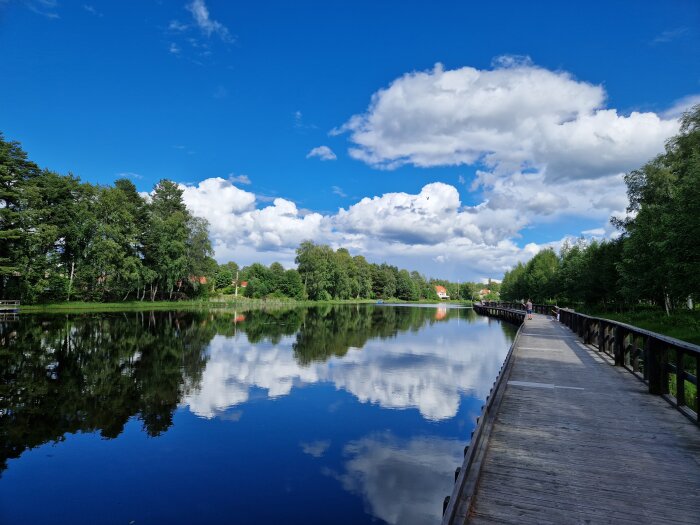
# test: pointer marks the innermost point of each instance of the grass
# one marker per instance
(681, 324)
(225, 301)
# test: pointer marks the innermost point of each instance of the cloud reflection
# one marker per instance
(426, 370)
(401, 481)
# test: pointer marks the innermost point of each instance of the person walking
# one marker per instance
(528, 307)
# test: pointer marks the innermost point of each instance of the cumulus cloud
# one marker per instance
(322, 152)
(545, 148)
(234, 219)
(410, 230)
(516, 116)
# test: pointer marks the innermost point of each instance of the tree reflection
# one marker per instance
(332, 330)
(89, 373)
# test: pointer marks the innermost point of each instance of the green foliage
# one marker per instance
(655, 262)
(64, 240)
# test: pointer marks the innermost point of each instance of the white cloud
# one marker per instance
(240, 179)
(322, 152)
(174, 48)
(208, 26)
(411, 230)
(546, 150)
(669, 36)
(128, 175)
(91, 9)
(315, 448)
(177, 26)
(236, 222)
(596, 232)
(682, 105)
(513, 117)
(338, 191)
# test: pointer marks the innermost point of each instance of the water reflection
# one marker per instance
(337, 368)
(64, 374)
(91, 374)
(425, 370)
(400, 480)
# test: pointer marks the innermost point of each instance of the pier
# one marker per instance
(581, 427)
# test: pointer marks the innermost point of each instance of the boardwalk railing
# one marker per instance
(8, 306)
(504, 311)
(669, 366)
(456, 506)
(537, 308)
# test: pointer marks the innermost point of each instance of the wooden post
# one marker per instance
(601, 336)
(655, 363)
(680, 379)
(619, 346)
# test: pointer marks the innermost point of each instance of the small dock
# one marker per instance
(571, 439)
(7, 306)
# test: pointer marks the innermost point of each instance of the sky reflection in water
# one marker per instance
(347, 414)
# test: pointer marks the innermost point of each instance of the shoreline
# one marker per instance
(211, 304)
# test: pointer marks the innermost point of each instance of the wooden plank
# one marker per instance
(604, 451)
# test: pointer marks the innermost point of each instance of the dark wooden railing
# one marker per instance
(537, 308)
(9, 305)
(501, 310)
(666, 364)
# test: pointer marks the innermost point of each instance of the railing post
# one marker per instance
(601, 336)
(618, 348)
(655, 363)
(587, 331)
(680, 379)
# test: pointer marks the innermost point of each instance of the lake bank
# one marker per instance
(214, 303)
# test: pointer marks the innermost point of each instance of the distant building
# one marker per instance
(244, 284)
(484, 291)
(441, 292)
(201, 279)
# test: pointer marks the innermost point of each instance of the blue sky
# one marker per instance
(549, 105)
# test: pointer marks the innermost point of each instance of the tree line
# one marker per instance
(655, 260)
(66, 240)
(62, 239)
(324, 274)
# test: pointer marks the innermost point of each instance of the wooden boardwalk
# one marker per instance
(577, 440)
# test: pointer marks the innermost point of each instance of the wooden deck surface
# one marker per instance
(577, 440)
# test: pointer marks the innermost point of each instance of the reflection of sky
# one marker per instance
(402, 481)
(428, 370)
(373, 436)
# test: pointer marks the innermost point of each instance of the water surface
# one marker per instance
(344, 414)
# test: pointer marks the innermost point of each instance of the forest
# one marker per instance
(655, 261)
(63, 240)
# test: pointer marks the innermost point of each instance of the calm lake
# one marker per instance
(344, 414)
